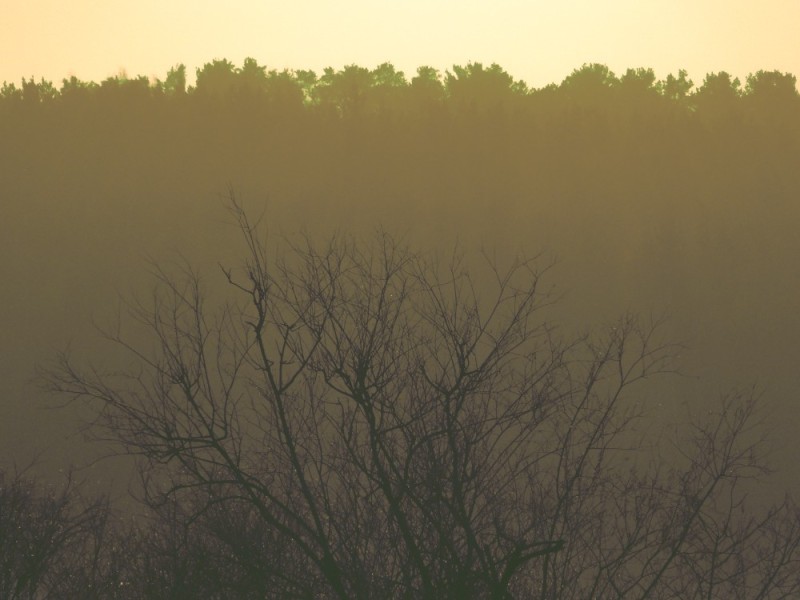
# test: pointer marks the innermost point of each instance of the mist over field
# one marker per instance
(654, 197)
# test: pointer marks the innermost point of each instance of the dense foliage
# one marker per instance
(356, 92)
(459, 146)
(651, 175)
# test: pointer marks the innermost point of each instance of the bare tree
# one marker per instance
(361, 421)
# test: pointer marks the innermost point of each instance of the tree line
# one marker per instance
(368, 137)
(355, 91)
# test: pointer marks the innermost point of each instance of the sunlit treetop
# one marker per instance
(354, 90)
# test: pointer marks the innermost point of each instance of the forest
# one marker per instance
(440, 335)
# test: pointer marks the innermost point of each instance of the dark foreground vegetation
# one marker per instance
(354, 416)
(358, 420)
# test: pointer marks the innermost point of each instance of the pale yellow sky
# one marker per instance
(540, 42)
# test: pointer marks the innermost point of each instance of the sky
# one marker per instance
(540, 42)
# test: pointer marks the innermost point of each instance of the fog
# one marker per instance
(650, 197)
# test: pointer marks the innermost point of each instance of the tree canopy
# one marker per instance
(358, 90)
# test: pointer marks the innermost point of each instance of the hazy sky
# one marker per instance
(538, 41)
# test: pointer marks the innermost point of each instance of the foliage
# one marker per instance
(472, 86)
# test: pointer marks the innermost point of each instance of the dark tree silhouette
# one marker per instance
(53, 541)
(217, 79)
(175, 83)
(368, 422)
